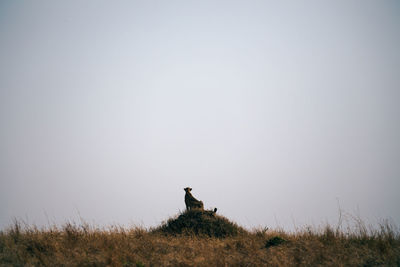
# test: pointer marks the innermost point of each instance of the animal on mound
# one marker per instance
(192, 203)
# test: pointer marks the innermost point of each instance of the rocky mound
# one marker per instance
(200, 222)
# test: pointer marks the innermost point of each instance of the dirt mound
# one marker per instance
(200, 222)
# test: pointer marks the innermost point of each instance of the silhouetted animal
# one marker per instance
(191, 202)
(211, 212)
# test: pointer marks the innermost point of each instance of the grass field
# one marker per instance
(86, 245)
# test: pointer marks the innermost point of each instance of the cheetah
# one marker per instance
(191, 202)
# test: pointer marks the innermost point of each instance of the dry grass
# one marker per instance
(85, 245)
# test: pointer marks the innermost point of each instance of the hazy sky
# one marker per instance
(272, 111)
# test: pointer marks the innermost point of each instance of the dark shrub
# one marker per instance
(274, 241)
(200, 222)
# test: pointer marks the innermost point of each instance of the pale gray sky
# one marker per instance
(271, 111)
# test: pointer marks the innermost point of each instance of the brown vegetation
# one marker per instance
(85, 245)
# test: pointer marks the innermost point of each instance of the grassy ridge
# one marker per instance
(85, 245)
